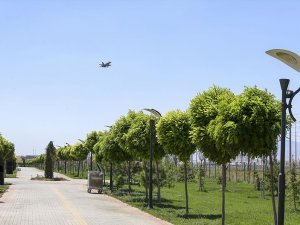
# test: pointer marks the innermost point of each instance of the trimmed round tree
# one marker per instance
(173, 133)
(108, 149)
(91, 139)
(138, 141)
(213, 134)
(79, 152)
(119, 131)
(50, 152)
(257, 114)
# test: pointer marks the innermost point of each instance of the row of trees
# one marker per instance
(7, 158)
(219, 123)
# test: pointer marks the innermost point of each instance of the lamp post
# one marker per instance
(152, 124)
(293, 61)
(110, 171)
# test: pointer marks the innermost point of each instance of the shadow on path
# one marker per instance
(201, 216)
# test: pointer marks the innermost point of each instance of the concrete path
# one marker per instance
(30, 202)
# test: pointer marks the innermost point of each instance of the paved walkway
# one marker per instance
(30, 202)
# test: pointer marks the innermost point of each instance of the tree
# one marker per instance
(257, 115)
(79, 152)
(119, 131)
(293, 188)
(50, 152)
(61, 154)
(213, 133)
(173, 133)
(109, 150)
(91, 140)
(138, 141)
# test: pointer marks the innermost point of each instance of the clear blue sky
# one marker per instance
(163, 53)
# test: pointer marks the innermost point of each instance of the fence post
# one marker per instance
(254, 173)
(229, 179)
(236, 171)
(215, 170)
(244, 171)
(208, 169)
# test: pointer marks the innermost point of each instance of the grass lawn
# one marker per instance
(243, 205)
(3, 188)
(14, 175)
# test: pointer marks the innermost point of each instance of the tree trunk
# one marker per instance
(186, 190)
(146, 180)
(65, 166)
(249, 170)
(111, 178)
(272, 189)
(223, 192)
(199, 188)
(158, 183)
(129, 176)
(91, 162)
(78, 169)
(103, 175)
(1, 169)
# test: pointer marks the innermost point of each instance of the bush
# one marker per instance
(268, 178)
(293, 188)
(190, 172)
(257, 181)
(119, 181)
(168, 174)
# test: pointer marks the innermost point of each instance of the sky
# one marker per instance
(163, 54)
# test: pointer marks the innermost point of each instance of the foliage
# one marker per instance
(50, 154)
(293, 188)
(168, 174)
(91, 139)
(204, 110)
(257, 115)
(6, 148)
(108, 149)
(173, 133)
(190, 172)
(201, 176)
(79, 152)
(267, 177)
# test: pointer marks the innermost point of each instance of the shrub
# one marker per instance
(50, 152)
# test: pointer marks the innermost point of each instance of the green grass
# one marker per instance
(243, 205)
(14, 175)
(3, 189)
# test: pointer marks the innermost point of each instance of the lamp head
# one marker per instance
(289, 58)
(154, 112)
(284, 83)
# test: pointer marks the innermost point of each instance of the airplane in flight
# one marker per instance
(105, 65)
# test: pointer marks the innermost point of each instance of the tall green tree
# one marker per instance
(119, 131)
(212, 132)
(50, 153)
(257, 115)
(108, 149)
(138, 141)
(173, 132)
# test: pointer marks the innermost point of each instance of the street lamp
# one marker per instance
(293, 61)
(110, 172)
(157, 115)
